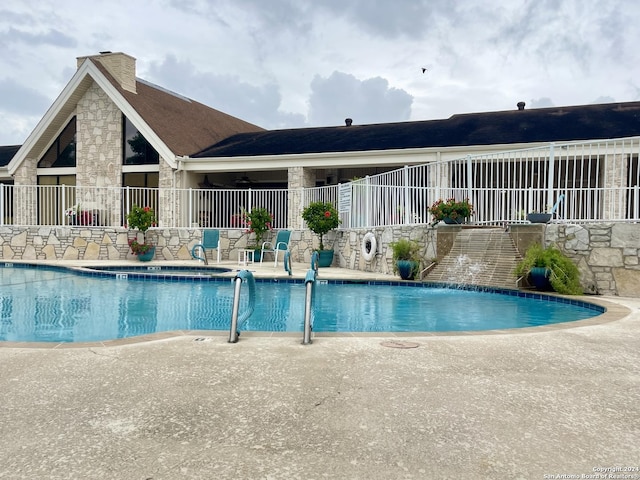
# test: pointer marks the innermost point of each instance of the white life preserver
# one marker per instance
(369, 246)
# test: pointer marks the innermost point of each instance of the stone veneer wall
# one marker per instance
(608, 255)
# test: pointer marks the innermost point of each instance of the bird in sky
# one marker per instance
(426, 68)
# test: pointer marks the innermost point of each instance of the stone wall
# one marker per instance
(608, 255)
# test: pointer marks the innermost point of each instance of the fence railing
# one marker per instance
(598, 181)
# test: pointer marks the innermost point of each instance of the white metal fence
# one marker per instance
(598, 181)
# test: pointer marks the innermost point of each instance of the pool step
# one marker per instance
(482, 256)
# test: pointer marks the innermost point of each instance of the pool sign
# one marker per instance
(344, 197)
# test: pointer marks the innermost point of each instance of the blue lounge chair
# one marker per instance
(280, 244)
(210, 241)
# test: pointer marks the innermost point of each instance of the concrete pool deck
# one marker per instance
(510, 405)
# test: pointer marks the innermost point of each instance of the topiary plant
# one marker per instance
(321, 217)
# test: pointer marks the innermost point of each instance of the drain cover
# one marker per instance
(399, 344)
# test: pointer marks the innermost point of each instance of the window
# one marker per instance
(135, 148)
(62, 153)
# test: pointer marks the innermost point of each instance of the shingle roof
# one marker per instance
(557, 124)
(6, 154)
(184, 125)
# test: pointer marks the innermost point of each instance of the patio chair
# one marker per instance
(210, 241)
(280, 244)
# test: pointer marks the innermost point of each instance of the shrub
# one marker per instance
(564, 275)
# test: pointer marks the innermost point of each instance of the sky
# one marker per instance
(308, 63)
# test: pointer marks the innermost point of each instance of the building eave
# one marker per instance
(399, 157)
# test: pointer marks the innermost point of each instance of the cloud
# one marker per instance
(17, 98)
(542, 102)
(50, 37)
(258, 104)
(365, 101)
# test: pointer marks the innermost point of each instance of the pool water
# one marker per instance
(55, 305)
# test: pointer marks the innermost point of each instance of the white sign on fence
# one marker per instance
(344, 197)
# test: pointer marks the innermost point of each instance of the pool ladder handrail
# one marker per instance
(197, 257)
(238, 320)
(310, 284)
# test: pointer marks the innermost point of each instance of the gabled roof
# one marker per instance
(172, 124)
(557, 124)
(6, 154)
(184, 125)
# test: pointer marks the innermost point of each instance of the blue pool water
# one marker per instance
(57, 305)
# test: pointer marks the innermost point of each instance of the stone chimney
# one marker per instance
(120, 65)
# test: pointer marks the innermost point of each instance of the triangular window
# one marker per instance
(62, 152)
(136, 149)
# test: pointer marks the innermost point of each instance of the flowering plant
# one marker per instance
(138, 248)
(321, 217)
(258, 221)
(141, 218)
(453, 209)
(78, 216)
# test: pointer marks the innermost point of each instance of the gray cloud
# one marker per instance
(17, 98)
(50, 37)
(365, 101)
(227, 93)
(542, 102)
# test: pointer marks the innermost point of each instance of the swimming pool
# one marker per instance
(60, 305)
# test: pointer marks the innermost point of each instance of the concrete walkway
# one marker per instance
(518, 405)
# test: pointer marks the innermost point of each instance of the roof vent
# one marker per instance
(348, 122)
(521, 105)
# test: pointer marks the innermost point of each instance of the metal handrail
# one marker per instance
(310, 284)
(236, 320)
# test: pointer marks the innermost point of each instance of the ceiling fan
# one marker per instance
(244, 181)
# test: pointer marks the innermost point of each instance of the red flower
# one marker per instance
(327, 214)
(146, 209)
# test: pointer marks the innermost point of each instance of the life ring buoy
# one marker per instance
(369, 246)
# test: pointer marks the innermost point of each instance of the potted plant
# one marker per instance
(141, 219)
(258, 221)
(550, 269)
(539, 217)
(321, 218)
(406, 258)
(450, 211)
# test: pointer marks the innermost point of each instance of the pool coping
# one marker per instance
(613, 312)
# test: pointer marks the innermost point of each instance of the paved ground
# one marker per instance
(513, 405)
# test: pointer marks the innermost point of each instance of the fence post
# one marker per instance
(550, 180)
(367, 204)
(1, 204)
(407, 200)
(469, 179)
(127, 202)
(190, 216)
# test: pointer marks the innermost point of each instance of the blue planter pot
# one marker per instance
(147, 256)
(406, 269)
(539, 217)
(325, 258)
(539, 276)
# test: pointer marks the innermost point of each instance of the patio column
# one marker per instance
(299, 178)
